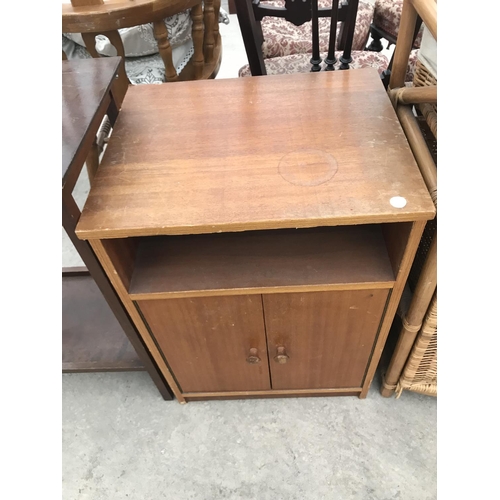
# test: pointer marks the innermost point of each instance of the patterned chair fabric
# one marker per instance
(299, 63)
(412, 64)
(282, 38)
(387, 16)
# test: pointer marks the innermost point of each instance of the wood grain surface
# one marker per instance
(327, 336)
(283, 151)
(206, 341)
(115, 14)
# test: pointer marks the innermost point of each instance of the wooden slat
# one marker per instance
(299, 151)
(261, 261)
(273, 393)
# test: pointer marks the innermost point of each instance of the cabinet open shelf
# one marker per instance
(316, 259)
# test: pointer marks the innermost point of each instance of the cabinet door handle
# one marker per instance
(252, 357)
(281, 355)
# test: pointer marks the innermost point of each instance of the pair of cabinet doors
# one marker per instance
(310, 340)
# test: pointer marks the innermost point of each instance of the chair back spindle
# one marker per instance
(198, 57)
(346, 58)
(315, 59)
(331, 59)
(165, 50)
(251, 12)
(208, 15)
(91, 18)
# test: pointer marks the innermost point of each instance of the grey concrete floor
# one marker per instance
(122, 441)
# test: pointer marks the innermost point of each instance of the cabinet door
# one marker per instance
(211, 344)
(321, 340)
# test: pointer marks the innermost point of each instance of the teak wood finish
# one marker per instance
(106, 17)
(273, 127)
(302, 151)
(95, 327)
(327, 337)
(261, 262)
(223, 339)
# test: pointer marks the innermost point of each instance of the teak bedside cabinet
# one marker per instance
(260, 243)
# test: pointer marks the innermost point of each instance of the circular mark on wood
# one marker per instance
(307, 167)
(398, 202)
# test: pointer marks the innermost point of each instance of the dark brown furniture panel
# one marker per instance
(211, 343)
(322, 340)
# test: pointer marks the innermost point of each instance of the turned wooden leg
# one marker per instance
(209, 20)
(376, 44)
(198, 28)
(165, 50)
(216, 17)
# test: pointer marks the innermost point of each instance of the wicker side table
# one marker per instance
(420, 371)
(413, 365)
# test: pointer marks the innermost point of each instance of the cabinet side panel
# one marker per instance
(396, 237)
(110, 267)
(122, 253)
(406, 260)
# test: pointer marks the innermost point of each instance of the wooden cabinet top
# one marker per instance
(266, 152)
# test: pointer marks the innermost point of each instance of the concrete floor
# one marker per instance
(122, 441)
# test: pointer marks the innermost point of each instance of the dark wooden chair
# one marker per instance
(385, 25)
(298, 12)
